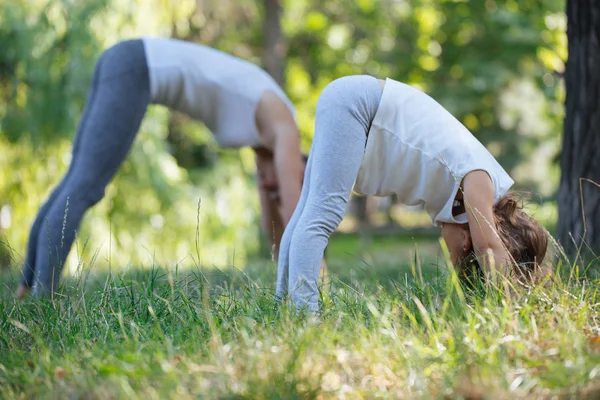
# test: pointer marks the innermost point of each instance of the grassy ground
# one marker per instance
(389, 329)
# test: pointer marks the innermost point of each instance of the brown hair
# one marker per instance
(525, 239)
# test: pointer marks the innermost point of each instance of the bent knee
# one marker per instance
(322, 221)
(85, 192)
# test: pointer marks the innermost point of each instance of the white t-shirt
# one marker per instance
(216, 88)
(419, 151)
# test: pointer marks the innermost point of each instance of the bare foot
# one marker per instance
(22, 292)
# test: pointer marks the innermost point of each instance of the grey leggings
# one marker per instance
(115, 107)
(345, 110)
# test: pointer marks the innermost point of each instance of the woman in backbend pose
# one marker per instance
(386, 137)
(235, 99)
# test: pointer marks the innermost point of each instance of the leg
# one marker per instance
(344, 114)
(27, 276)
(113, 119)
(283, 263)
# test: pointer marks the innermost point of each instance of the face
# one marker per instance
(458, 240)
(267, 173)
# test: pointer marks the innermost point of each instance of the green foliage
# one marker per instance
(45, 68)
(495, 64)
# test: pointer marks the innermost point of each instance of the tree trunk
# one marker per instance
(578, 198)
(274, 46)
(273, 61)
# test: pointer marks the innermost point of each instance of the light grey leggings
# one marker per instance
(345, 110)
(115, 106)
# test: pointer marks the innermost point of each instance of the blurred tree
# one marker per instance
(274, 52)
(273, 60)
(579, 194)
(473, 57)
(48, 55)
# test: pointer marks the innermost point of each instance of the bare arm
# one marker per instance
(271, 218)
(479, 203)
(280, 167)
(288, 164)
(280, 134)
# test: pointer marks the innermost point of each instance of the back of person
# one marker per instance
(419, 151)
(211, 86)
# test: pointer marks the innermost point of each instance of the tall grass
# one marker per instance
(395, 332)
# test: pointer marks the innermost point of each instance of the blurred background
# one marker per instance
(496, 65)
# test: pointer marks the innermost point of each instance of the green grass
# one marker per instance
(388, 330)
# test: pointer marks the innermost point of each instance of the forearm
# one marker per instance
(289, 174)
(271, 220)
(495, 259)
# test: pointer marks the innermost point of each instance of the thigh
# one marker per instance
(114, 121)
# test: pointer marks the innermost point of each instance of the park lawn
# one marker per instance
(391, 328)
